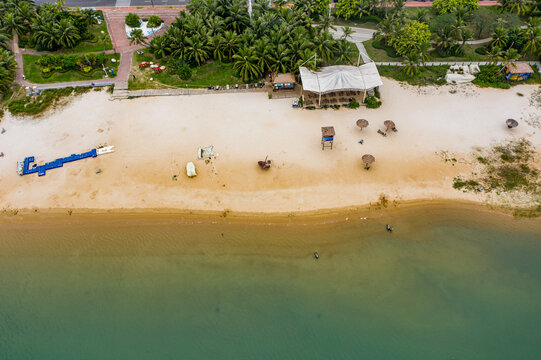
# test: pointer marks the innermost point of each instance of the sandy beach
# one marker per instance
(155, 138)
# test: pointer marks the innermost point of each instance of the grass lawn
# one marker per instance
(103, 41)
(33, 72)
(211, 73)
(428, 75)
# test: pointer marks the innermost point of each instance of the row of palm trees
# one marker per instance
(8, 65)
(49, 26)
(274, 39)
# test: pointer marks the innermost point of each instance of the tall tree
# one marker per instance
(245, 63)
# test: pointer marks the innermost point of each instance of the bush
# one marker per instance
(353, 104)
(372, 102)
(180, 67)
(491, 76)
(410, 37)
(154, 21)
(447, 6)
(133, 20)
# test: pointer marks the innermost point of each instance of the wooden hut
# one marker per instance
(518, 71)
(283, 81)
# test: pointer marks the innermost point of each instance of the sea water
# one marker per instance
(445, 284)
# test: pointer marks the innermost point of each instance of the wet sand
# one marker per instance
(156, 137)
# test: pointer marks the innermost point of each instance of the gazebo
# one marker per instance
(518, 71)
(283, 81)
(343, 80)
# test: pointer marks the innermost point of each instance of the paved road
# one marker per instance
(118, 3)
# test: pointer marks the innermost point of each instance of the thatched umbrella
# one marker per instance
(368, 159)
(362, 123)
(511, 123)
(389, 125)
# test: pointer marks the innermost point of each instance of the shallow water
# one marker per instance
(447, 283)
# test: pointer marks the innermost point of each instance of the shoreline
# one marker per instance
(321, 216)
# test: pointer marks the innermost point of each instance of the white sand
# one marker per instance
(153, 135)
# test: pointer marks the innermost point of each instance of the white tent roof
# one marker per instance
(340, 77)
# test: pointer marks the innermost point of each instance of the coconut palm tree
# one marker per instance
(11, 23)
(445, 39)
(510, 56)
(159, 46)
(346, 32)
(8, 67)
(424, 51)
(421, 15)
(137, 37)
(411, 63)
(324, 44)
(344, 52)
(217, 47)
(196, 49)
(45, 35)
(280, 58)
(499, 38)
(67, 34)
(231, 44)
(245, 63)
(494, 54)
(262, 52)
(521, 7)
(532, 37)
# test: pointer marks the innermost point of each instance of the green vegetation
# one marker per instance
(99, 40)
(276, 39)
(507, 167)
(411, 37)
(133, 20)
(425, 75)
(209, 74)
(154, 21)
(372, 102)
(8, 68)
(62, 68)
(38, 104)
(447, 6)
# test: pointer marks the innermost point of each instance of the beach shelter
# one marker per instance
(368, 160)
(340, 78)
(518, 71)
(362, 123)
(283, 81)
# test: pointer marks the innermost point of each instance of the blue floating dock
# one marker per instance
(41, 169)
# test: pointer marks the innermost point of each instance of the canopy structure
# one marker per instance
(340, 77)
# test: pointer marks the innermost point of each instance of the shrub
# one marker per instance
(410, 37)
(491, 76)
(353, 104)
(154, 21)
(372, 102)
(133, 20)
(447, 6)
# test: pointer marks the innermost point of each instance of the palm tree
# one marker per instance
(12, 23)
(532, 37)
(411, 64)
(421, 15)
(280, 59)
(445, 39)
(217, 47)
(137, 37)
(307, 59)
(510, 56)
(521, 7)
(344, 52)
(45, 35)
(196, 49)
(324, 45)
(424, 51)
(231, 44)
(159, 46)
(346, 32)
(67, 34)
(494, 54)
(326, 22)
(499, 38)
(8, 67)
(246, 64)
(262, 51)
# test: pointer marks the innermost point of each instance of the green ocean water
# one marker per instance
(446, 284)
